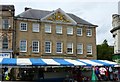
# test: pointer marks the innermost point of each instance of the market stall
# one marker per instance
(53, 68)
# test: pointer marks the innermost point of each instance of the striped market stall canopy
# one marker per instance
(54, 62)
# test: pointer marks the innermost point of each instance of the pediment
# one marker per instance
(59, 16)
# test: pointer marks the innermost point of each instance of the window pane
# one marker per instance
(69, 48)
(89, 32)
(79, 49)
(5, 43)
(5, 24)
(35, 46)
(89, 49)
(35, 27)
(47, 47)
(23, 26)
(59, 47)
(47, 28)
(23, 45)
(59, 29)
(69, 30)
(79, 31)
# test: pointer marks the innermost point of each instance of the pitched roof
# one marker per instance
(38, 14)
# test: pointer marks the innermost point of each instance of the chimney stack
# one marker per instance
(26, 8)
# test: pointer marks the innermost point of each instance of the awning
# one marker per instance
(54, 62)
(97, 62)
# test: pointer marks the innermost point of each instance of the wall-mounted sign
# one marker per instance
(4, 55)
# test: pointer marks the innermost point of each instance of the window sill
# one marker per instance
(23, 30)
(69, 34)
(89, 36)
(79, 35)
(35, 52)
(23, 51)
(59, 33)
(35, 32)
(89, 55)
(80, 54)
(48, 32)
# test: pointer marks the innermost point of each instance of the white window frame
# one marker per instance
(59, 47)
(25, 50)
(58, 29)
(70, 45)
(89, 48)
(35, 27)
(25, 27)
(47, 28)
(47, 47)
(70, 30)
(89, 32)
(35, 46)
(79, 31)
(79, 48)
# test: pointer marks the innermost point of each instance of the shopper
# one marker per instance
(102, 73)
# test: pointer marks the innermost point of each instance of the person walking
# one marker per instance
(102, 73)
(110, 73)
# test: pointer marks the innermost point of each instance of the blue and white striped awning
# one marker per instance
(54, 62)
(97, 62)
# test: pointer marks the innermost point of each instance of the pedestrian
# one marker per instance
(102, 73)
(107, 74)
(97, 72)
(7, 78)
(110, 73)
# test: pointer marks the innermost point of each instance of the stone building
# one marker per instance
(52, 34)
(116, 35)
(6, 30)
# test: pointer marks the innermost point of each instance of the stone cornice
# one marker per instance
(114, 29)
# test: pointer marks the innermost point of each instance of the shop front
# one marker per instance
(4, 54)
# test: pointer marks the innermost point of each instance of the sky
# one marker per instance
(97, 12)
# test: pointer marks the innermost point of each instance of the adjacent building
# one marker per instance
(116, 35)
(6, 30)
(51, 34)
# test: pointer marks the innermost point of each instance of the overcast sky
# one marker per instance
(98, 12)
